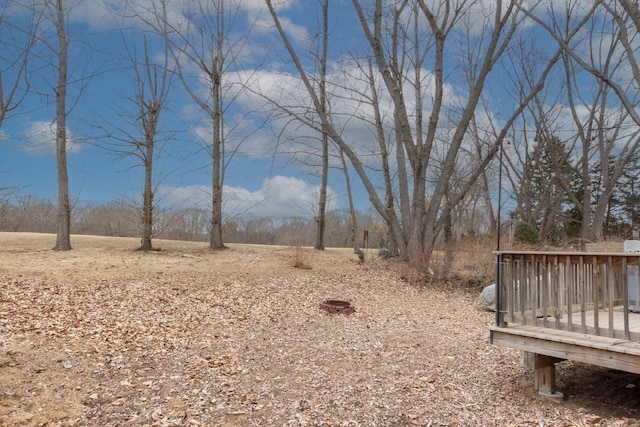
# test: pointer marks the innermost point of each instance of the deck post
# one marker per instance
(544, 375)
(499, 297)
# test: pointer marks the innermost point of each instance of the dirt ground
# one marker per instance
(106, 336)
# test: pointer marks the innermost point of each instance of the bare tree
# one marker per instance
(322, 58)
(151, 86)
(49, 49)
(151, 103)
(206, 50)
(54, 37)
(401, 45)
(58, 15)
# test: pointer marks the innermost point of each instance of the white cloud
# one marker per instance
(101, 14)
(97, 14)
(259, 15)
(258, 5)
(296, 33)
(40, 139)
(278, 197)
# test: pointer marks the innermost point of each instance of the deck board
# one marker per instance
(604, 351)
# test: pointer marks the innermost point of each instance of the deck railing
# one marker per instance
(589, 293)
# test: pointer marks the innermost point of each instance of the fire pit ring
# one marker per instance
(337, 307)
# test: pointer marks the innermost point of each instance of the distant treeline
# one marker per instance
(122, 219)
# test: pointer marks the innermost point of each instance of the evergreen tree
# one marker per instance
(546, 166)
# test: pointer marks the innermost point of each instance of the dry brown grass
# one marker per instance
(472, 258)
(301, 257)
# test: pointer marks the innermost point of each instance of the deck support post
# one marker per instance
(544, 374)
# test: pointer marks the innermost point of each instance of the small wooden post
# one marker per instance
(544, 374)
(545, 378)
(365, 242)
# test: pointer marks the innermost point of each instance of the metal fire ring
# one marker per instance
(337, 307)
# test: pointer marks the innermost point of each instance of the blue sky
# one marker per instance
(258, 181)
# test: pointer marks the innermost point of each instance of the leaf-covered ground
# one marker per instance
(106, 336)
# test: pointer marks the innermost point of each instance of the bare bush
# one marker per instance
(301, 257)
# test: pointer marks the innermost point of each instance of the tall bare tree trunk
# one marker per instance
(63, 237)
(403, 183)
(322, 202)
(147, 194)
(389, 198)
(352, 208)
(215, 233)
(321, 220)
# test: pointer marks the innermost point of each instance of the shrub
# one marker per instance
(526, 234)
(301, 257)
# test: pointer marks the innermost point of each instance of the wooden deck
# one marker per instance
(577, 306)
